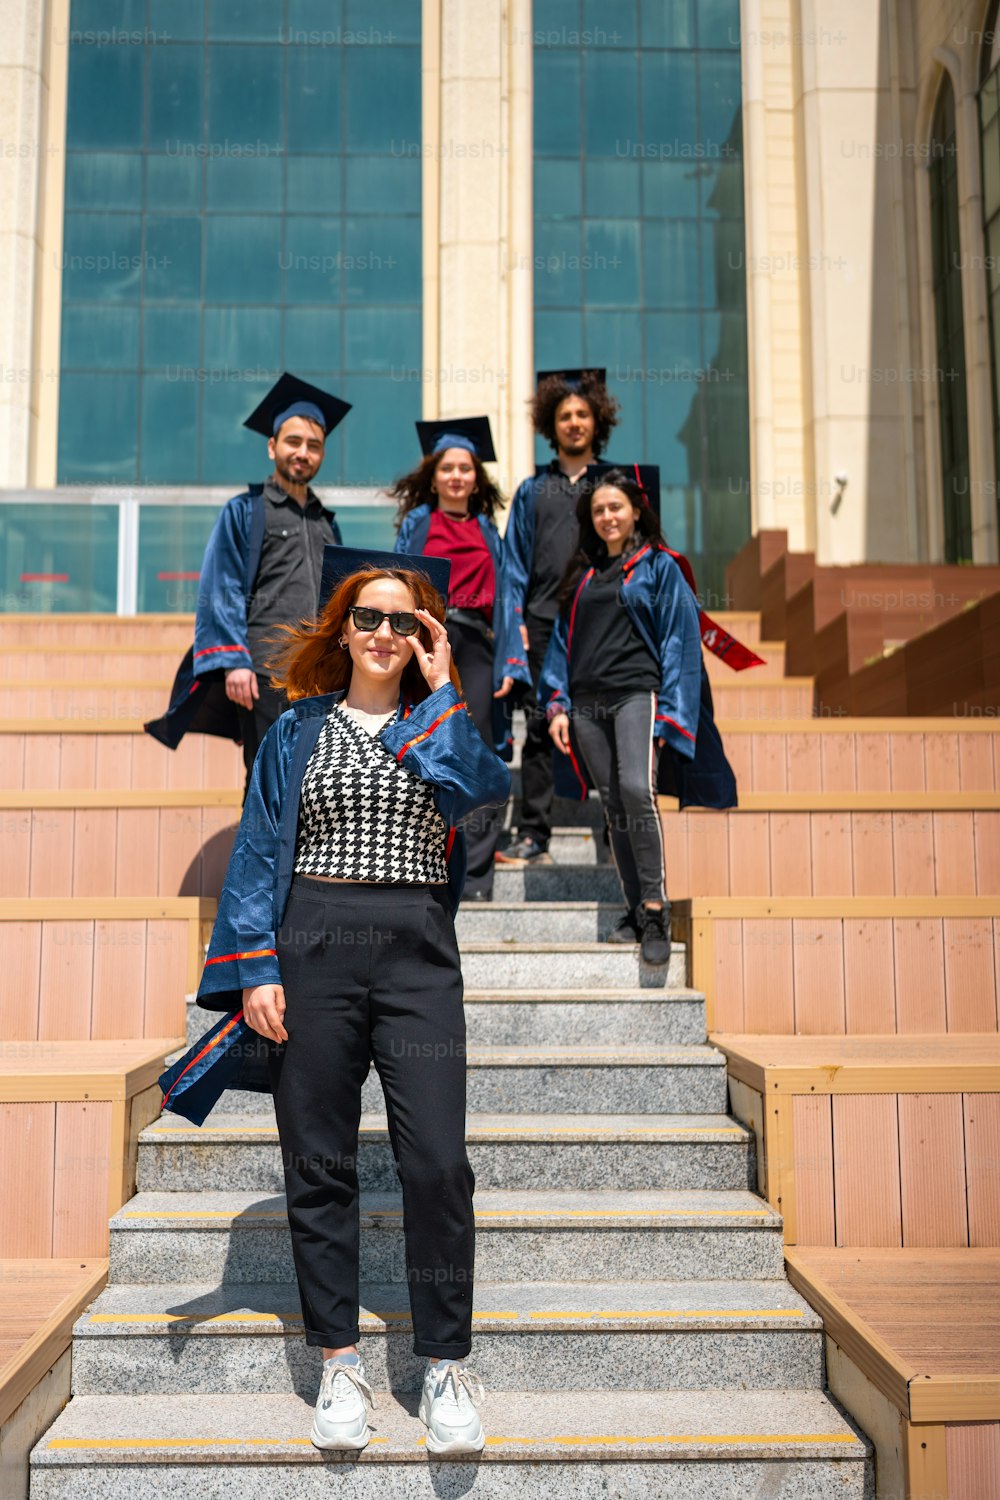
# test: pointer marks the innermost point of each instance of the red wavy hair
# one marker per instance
(311, 661)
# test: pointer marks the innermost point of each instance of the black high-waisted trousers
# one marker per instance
(373, 972)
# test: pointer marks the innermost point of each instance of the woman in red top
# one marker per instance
(447, 507)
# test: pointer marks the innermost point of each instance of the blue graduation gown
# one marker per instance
(663, 611)
(198, 701)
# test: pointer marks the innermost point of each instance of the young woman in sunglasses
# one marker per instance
(447, 509)
(336, 931)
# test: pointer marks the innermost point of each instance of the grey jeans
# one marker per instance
(616, 741)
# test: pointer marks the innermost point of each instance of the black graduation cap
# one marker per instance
(292, 397)
(646, 476)
(471, 433)
(574, 378)
(339, 562)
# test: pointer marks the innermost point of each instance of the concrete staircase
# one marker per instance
(633, 1325)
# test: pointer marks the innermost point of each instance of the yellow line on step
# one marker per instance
(186, 1442)
(493, 1213)
(675, 1312)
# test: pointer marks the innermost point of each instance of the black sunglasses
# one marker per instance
(401, 620)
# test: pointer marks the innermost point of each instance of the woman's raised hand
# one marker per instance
(435, 663)
(264, 1010)
(559, 730)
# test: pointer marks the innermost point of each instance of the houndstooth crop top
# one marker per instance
(362, 816)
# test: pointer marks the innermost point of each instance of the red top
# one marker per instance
(472, 584)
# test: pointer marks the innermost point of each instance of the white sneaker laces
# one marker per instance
(457, 1378)
(329, 1393)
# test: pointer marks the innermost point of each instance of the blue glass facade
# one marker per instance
(639, 244)
(242, 196)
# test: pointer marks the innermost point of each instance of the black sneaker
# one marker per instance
(654, 927)
(626, 929)
(525, 852)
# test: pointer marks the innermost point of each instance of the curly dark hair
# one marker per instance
(591, 549)
(415, 489)
(554, 390)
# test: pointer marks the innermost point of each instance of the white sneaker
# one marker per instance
(447, 1409)
(341, 1419)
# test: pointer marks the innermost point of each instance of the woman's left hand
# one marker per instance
(660, 742)
(435, 664)
(504, 688)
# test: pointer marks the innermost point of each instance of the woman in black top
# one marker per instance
(626, 659)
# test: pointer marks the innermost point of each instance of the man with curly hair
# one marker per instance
(573, 411)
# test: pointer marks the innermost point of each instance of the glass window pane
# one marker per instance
(676, 345)
(613, 340)
(172, 542)
(230, 454)
(558, 265)
(667, 23)
(244, 99)
(720, 95)
(173, 259)
(242, 259)
(669, 122)
(171, 336)
(312, 259)
(98, 337)
(315, 99)
(557, 82)
(721, 187)
(244, 20)
(316, 23)
(558, 339)
(98, 431)
(612, 189)
(242, 338)
(103, 180)
(177, 20)
(169, 429)
(557, 187)
(607, 25)
(724, 274)
(381, 338)
(102, 259)
(378, 442)
(81, 552)
(383, 21)
(375, 183)
(173, 182)
(611, 116)
(385, 74)
(312, 339)
(175, 95)
(382, 262)
(718, 23)
(367, 526)
(668, 406)
(234, 182)
(611, 263)
(104, 107)
(670, 263)
(90, 21)
(557, 23)
(313, 182)
(670, 189)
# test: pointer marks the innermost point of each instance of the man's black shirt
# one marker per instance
(291, 566)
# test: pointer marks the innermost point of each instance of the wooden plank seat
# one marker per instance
(795, 966)
(131, 661)
(40, 1300)
(874, 1140)
(112, 753)
(103, 630)
(913, 1354)
(99, 967)
(69, 701)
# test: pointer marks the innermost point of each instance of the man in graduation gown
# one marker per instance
(574, 412)
(262, 569)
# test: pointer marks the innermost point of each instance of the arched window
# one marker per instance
(989, 135)
(950, 372)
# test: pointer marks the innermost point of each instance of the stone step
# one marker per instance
(535, 1017)
(579, 845)
(572, 1080)
(537, 1235)
(568, 965)
(658, 1335)
(602, 1152)
(556, 882)
(550, 1445)
(580, 921)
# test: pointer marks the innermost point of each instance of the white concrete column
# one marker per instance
(31, 170)
(477, 218)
